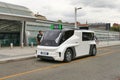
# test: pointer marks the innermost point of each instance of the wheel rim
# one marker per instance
(68, 55)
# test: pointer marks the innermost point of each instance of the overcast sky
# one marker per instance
(92, 10)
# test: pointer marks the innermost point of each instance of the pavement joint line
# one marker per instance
(51, 67)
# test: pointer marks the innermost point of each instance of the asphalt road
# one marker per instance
(104, 66)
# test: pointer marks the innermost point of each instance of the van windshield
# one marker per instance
(51, 38)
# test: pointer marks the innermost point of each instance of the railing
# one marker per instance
(107, 35)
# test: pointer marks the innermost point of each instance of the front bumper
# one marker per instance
(45, 57)
(57, 56)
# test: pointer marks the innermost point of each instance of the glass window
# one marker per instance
(55, 37)
(66, 35)
(87, 36)
(1, 36)
(51, 38)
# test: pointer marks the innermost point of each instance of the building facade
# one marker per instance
(18, 25)
(12, 23)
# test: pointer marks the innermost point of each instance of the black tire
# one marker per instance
(68, 55)
(93, 50)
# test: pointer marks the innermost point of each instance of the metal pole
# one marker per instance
(119, 32)
(31, 44)
(108, 37)
(22, 45)
(108, 27)
(75, 17)
(11, 45)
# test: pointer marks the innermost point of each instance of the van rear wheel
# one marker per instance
(93, 50)
(68, 55)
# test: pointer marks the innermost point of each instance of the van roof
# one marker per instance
(82, 30)
(67, 29)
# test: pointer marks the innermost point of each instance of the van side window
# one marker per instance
(66, 35)
(87, 36)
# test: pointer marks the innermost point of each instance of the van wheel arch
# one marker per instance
(71, 49)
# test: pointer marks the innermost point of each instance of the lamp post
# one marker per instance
(76, 16)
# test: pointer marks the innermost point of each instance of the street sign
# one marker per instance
(56, 26)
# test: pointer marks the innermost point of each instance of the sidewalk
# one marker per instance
(16, 53)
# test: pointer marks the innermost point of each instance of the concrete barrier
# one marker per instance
(22, 45)
(11, 45)
(108, 43)
(31, 44)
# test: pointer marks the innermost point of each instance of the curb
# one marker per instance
(21, 58)
(13, 59)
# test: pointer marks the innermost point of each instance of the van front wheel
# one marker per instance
(68, 55)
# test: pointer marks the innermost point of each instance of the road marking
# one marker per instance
(35, 70)
(51, 67)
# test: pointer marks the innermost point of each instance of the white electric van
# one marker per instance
(66, 44)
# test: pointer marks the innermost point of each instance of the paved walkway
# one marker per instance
(7, 53)
(18, 53)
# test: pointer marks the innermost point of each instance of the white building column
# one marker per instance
(22, 32)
